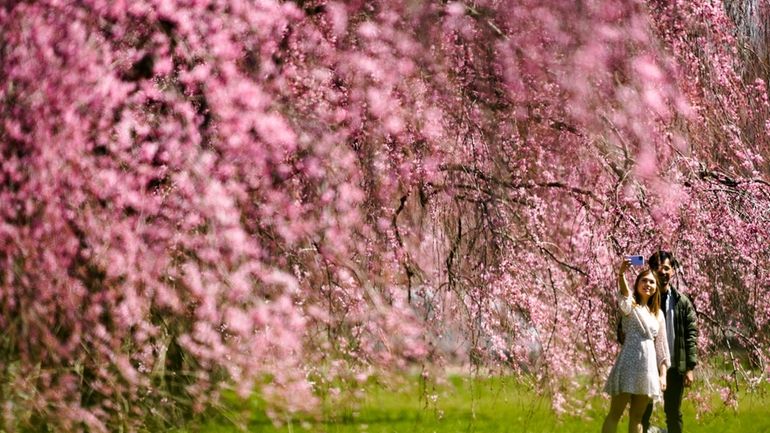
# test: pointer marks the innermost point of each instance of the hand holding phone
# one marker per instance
(636, 260)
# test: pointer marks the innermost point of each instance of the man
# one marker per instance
(682, 333)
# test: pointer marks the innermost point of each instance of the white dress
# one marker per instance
(645, 348)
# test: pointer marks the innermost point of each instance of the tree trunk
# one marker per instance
(752, 19)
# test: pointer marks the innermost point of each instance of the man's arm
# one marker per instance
(691, 342)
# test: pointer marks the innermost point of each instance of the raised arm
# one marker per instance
(625, 302)
(622, 284)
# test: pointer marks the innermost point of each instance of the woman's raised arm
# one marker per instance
(622, 283)
(625, 301)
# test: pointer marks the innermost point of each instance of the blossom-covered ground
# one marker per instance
(492, 404)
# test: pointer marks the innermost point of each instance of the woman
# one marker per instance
(639, 373)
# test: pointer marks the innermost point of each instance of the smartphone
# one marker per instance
(636, 260)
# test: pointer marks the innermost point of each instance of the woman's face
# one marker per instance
(646, 286)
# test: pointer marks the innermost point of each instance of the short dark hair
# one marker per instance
(658, 257)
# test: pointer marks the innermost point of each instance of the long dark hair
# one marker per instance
(654, 302)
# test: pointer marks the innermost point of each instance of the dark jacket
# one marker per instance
(685, 333)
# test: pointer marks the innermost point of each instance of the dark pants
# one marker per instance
(672, 403)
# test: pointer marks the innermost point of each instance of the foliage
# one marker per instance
(199, 195)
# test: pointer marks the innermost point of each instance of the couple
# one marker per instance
(659, 352)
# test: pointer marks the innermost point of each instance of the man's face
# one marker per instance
(665, 273)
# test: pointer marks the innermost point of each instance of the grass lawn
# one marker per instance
(475, 405)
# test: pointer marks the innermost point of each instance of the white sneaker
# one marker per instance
(654, 429)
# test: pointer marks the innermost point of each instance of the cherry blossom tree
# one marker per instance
(268, 196)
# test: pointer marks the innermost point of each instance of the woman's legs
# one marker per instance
(617, 407)
(638, 406)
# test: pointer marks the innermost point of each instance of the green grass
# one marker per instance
(471, 405)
